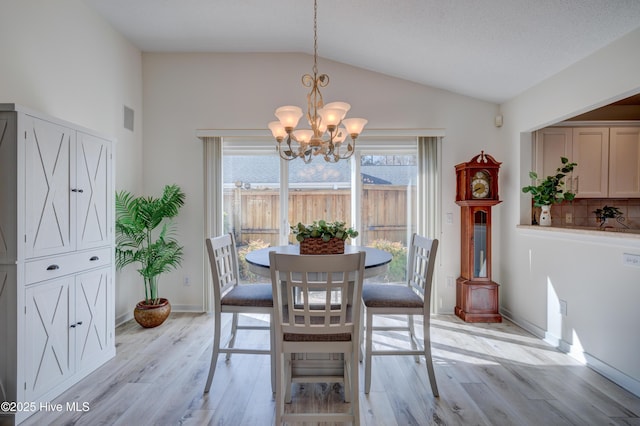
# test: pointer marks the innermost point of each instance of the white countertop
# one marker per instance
(618, 233)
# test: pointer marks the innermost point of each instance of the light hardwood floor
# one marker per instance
(488, 374)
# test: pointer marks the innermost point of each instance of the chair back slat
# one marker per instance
(224, 264)
(317, 294)
(422, 253)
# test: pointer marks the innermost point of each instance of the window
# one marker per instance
(378, 192)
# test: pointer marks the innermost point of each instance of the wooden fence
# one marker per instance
(254, 214)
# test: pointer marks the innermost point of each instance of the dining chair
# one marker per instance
(229, 296)
(411, 299)
(317, 301)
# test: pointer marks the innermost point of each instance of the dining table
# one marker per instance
(376, 261)
(307, 364)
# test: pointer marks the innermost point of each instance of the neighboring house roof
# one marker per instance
(264, 170)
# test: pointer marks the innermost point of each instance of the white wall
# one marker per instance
(538, 267)
(60, 58)
(186, 92)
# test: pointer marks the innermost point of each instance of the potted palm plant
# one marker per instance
(145, 234)
(551, 190)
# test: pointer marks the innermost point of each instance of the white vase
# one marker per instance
(545, 216)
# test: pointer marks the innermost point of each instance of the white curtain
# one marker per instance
(213, 212)
(428, 187)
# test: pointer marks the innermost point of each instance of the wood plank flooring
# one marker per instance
(488, 374)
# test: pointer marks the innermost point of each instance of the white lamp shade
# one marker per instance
(354, 126)
(331, 116)
(277, 130)
(342, 106)
(289, 115)
(303, 136)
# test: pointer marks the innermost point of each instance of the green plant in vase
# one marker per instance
(550, 190)
(607, 212)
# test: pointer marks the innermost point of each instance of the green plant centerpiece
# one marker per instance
(145, 234)
(550, 190)
(322, 237)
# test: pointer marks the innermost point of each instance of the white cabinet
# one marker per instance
(56, 254)
(608, 159)
(591, 152)
(552, 143)
(67, 189)
(67, 324)
(624, 162)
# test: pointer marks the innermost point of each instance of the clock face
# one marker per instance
(480, 185)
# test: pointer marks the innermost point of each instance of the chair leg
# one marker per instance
(347, 375)
(234, 331)
(428, 358)
(273, 356)
(368, 345)
(355, 393)
(216, 350)
(412, 336)
(279, 386)
(287, 377)
(360, 350)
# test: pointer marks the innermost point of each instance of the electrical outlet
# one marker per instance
(449, 218)
(563, 307)
(631, 259)
(568, 218)
(450, 282)
(187, 281)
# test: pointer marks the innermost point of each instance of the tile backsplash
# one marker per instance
(581, 211)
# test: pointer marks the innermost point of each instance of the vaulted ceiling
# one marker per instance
(488, 49)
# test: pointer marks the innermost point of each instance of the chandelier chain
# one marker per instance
(315, 37)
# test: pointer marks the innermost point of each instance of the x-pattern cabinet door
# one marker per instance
(92, 191)
(92, 320)
(49, 343)
(50, 167)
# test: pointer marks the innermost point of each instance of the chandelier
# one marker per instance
(329, 127)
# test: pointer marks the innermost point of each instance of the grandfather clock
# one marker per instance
(477, 192)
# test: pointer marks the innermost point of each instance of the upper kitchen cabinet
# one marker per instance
(591, 153)
(608, 159)
(624, 159)
(551, 144)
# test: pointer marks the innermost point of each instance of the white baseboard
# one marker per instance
(611, 373)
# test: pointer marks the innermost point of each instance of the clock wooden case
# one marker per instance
(476, 194)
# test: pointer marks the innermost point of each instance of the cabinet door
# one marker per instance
(624, 162)
(48, 359)
(551, 144)
(591, 153)
(93, 191)
(49, 150)
(92, 326)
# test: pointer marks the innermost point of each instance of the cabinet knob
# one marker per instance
(94, 258)
(79, 323)
(52, 267)
(72, 326)
(77, 190)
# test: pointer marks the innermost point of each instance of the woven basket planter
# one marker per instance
(318, 246)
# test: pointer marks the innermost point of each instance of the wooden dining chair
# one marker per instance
(411, 299)
(317, 301)
(229, 296)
